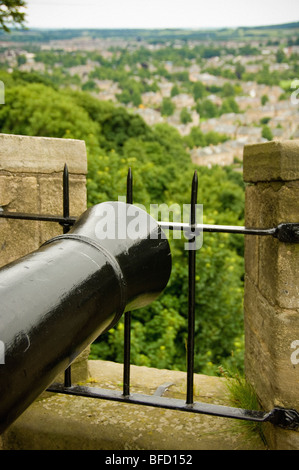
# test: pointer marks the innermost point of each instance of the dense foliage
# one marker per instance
(11, 14)
(162, 172)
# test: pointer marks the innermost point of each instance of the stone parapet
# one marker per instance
(39, 155)
(60, 422)
(271, 301)
(31, 171)
(271, 161)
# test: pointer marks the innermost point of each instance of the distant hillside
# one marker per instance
(155, 35)
(277, 26)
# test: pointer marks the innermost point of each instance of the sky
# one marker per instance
(159, 13)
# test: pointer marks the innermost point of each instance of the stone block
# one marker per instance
(278, 272)
(269, 334)
(20, 154)
(18, 237)
(271, 161)
(287, 202)
(281, 439)
(269, 204)
(271, 305)
(251, 254)
(262, 202)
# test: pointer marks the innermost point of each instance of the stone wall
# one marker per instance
(271, 301)
(60, 422)
(31, 171)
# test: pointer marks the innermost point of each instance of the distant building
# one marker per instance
(249, 134)
(149, 115)
(152, 98)
(183, 100)
(222, 154)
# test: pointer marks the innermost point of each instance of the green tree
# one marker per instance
(175, 91)
(239, 70)
(265, 120)
(280, 56)
(11, 13)
(267, 133)
(21, 59)
(185, 116)
(136, 98)
(229, 105)
(199, 90)
(207, 109)
(197, 138)
(264, 99)
(228, 90)
(90, 85)
(167, 107)
(35, 109)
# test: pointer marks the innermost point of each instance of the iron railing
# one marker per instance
(285, 232)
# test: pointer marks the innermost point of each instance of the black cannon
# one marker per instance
(56, 301)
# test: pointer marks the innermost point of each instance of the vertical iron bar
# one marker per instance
(191, 294)
(127, 320)
(66, 228)
(66, 196)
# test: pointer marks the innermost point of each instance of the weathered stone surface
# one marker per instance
(261, 205)
(22, 154)
(79, 369)
(76, 423)
(282, 439)
(18, 194)
(31, 170)
(278, 273)
(271, 301)
(269, 204)
(251, 254)
(271, 161)
(269, 333)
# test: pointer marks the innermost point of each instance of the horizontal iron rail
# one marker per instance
(288, 419)
(38, 217)
(197, 228)
(286, 232)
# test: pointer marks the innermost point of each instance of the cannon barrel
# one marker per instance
(57, 300)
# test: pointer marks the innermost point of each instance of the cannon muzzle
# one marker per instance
(56, 301)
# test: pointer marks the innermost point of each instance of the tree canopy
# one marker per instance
(117, 139)
(11, 13)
